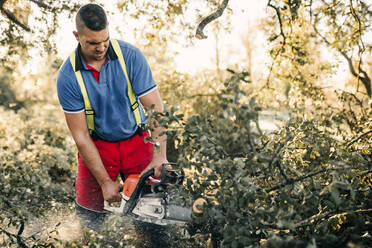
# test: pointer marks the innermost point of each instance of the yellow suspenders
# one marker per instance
(89, 112)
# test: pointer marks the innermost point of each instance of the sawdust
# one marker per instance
(60, 225)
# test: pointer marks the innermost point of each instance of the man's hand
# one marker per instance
(110, 191)
(156, 164)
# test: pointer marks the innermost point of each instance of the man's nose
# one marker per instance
(100, 47)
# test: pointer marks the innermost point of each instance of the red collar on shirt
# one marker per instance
(94, 71)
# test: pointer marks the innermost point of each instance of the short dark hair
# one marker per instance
(91, 16)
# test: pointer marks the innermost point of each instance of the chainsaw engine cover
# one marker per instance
(131, 182)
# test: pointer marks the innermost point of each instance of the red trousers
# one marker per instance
(127, 157)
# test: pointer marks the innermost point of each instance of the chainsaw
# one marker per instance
(146, 199)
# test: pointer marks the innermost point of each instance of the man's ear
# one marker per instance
(76, 34)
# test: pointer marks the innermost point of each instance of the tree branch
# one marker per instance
(359, 102)
(292, 181)
(364, 78)
(201, 95)
(329, 215)
(287, 179)
(356, 17)
(12, 18)
(358, 138)
(277, 11)
(41, 4)
(199, 31)
(277, 151)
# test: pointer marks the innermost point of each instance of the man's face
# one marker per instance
(94, 44)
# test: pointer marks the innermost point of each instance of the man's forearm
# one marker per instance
(157, 134)
(92, 159)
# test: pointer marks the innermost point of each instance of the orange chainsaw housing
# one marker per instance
(131, 182)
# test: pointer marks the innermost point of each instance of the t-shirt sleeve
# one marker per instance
(140, 74)
(69, 94)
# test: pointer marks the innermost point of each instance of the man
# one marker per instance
(116, 143)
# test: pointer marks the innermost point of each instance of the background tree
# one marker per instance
(29, 24)
(346, 26)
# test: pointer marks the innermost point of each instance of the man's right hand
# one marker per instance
(110, 191)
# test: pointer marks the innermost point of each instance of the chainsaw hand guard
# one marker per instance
(131, 203)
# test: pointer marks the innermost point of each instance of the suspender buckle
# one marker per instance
(134, 106)
(89, 112)
(141, 128)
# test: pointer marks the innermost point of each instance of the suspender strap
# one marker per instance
(89, 112)
(132, 97)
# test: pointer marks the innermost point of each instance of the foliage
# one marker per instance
(195, 98)
(36, 169)
(302, 182)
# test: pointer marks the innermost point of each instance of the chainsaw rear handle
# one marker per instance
(118, 210)
(131, 203)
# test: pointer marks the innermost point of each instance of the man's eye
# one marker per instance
(97, 43)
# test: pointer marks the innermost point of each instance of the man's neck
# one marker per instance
(96, 64)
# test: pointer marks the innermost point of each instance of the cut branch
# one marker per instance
(199, 31)
(329, 215)
(18, 237)
(358, 138)
(278, 150)
(292, 181)
(224, 153)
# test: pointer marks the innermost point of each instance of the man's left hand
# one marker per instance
(155, 164)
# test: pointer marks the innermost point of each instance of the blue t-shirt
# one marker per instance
(114, 119)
